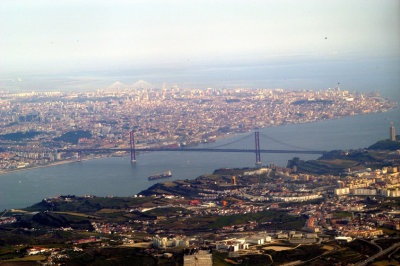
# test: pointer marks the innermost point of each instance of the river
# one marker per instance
(117, 176)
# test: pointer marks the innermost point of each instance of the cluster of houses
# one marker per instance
(164, 242)
(384, 182)
(239, 243)
(7, 220)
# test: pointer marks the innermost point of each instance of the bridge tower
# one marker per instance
(79, 156)
(257, 143)
(132, 143)
(392, 132)
(234, 180)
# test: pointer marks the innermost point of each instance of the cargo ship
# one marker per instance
(159, 176)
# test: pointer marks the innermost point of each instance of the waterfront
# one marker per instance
(117, 176)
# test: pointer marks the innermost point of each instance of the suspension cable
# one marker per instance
(283, 143)
(232, 142)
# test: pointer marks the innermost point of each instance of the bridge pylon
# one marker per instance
(257, 145)
(132, 143)
(79, 156)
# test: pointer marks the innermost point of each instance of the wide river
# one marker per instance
(117, 176)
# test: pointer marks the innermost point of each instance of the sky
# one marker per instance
(72, 44)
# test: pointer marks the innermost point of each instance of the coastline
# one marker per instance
(218, 138)
(235, 134)
(3, 172)
(100, 177)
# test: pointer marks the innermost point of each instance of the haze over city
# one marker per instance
(198, 44)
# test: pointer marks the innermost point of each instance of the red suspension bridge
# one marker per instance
(257, 150)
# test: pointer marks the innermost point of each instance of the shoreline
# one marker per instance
(10, 192)
(229, 135)
(218, 138)
(4, 172)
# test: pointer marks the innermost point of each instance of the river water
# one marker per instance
(117, 176)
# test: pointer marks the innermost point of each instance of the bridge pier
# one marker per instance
(133, 149)
(257, 150)
(79, 156)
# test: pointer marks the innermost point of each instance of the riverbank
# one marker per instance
(3, 172)
(117, 176)
(218, 138)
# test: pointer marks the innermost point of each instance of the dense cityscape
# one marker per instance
(37, 126)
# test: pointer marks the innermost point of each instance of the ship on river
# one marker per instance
(160, 176)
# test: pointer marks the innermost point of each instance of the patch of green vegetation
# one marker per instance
(332, 163)
(350, 253)
(230, 171)
(341, 214)
(385, 243)
(177, 189)
(60, 220)
(320, 166)
(76, 214)
(167, 211)
(105, 210)
(29, 258)
(338, 163)
(219, 258)
(119, 256)
(363, 247)
(385, 145)
(116, 217)
(393, 203)
(74, 136)
(11, 252)
(390, 232)
(279, 220)
(347, 256)
(88, 205)
(335, 162)
(169, 184)
(302, 253)
(18, 136)
(12, 237)
(391, 262)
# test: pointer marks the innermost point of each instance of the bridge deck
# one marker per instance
(194, 150)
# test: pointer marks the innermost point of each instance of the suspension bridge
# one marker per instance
(293, 149)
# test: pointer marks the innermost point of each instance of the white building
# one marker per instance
(364, 192)
(255, 240)
(232, 245)
(390, 192)
(297, 198)
(342, 191)
(163, 242)
(257, 172)
(344, 238)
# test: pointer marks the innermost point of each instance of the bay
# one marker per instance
(118, 177)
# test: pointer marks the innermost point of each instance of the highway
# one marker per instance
(377, 255)
(191, 150)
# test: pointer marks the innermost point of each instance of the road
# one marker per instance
(377, 255)
(373, 243)
(191, 150)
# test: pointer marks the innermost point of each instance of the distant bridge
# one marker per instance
(102, 150)
(293, 149)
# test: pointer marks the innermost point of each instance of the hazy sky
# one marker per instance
(60, 37)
